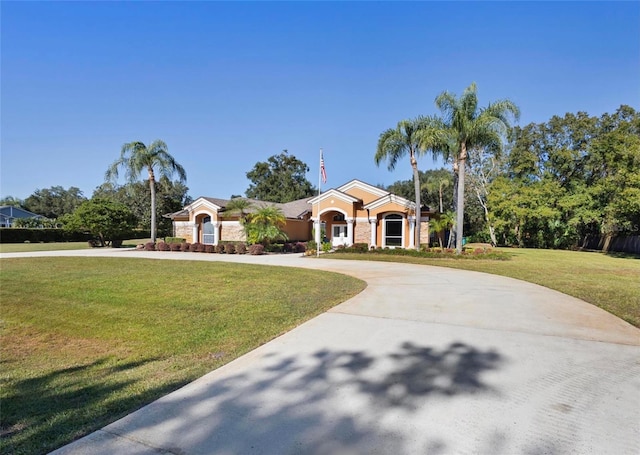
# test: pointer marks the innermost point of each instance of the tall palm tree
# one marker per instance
(471, 127)
(135, 157)
(396, 143)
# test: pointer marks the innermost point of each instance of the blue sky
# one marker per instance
(226, 85)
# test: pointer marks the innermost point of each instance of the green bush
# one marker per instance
(22, 235)
(174, 239)
(326, 247)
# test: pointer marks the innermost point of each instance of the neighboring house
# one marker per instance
(8, 215)
(355, 212)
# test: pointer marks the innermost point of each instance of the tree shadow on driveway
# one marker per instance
(323, 402)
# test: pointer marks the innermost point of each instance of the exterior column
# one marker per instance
(194, 234)
(350, 222)
(316, 223)
(412, 232)
(216, 232)
(373, 223)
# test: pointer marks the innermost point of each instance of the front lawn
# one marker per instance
(57, 246)
(86, 341)
(611, 282)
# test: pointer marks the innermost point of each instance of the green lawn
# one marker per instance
(56, 246)
(611, 282)
(86, 341)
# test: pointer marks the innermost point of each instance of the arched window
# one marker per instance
(393, 230)
(338, 217)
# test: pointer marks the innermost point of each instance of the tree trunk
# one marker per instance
(152, 187)
(416, 184)
(440, 197)
(452, 232)
(460, 208)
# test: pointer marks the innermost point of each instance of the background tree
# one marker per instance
(580, 175)
(170, 197)
(136, 157)
(55, 201)
(282, 178)
(471, 127)
(264, 225)
(107, 220)
(12, 201)
(435, 183)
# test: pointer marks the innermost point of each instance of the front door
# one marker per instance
(339, 234)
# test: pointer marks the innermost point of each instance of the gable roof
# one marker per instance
(355, 183)
(291, 210)
(333, 193)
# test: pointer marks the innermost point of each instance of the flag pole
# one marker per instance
(319, 233)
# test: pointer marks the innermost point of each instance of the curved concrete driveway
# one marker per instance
(426, 360)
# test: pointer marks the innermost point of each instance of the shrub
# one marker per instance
(163, 246)
(149, 246)
(174, 240)
(275, 248)
(220, 248)
(299, 247)
(241, 248)
(230, 248)
(209, 249)
(311, 245)
(256, 249)
(185, 246)
(326, 247)
(197, 247)
(175, 246)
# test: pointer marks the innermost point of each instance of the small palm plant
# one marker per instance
(264, 225)
(441, 224)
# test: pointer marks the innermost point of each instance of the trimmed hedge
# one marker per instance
(22, 235)
(174, 239)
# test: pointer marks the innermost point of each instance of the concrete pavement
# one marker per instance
(426, 360)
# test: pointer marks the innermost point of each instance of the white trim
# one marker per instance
(230, 223)
(333, 209)
(335, 194)
(403, 220)
(390, 199)
(363, 186)
(202, 202)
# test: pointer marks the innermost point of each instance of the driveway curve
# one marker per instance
(426, 360)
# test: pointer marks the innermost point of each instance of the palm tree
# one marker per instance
(437, 183)
(441, 224)
(265, 225)
(396, 143)
(238, 206)
(135, 157)
(472, 128)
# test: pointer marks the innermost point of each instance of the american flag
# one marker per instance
(323, 171)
